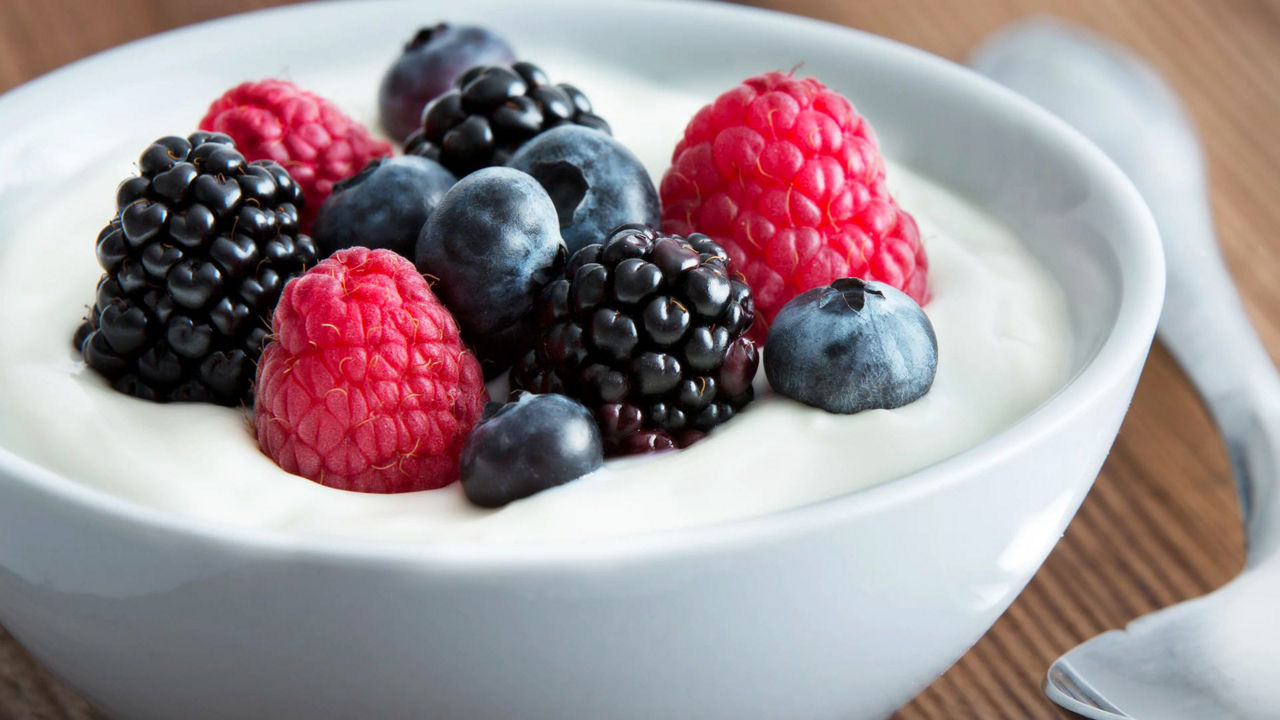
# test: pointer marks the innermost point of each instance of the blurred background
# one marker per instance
(1161, 525)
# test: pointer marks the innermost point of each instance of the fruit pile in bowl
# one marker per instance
(366, 419)
(354, 301)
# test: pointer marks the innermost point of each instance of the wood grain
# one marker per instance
(1162, 524)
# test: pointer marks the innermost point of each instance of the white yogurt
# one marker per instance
(1003, 345)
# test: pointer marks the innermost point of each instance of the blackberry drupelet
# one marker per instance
(195, 258)
(649, 332)
(492, 112)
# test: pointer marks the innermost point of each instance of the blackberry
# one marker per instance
(491, 112)
(649, 332)
(195, 258)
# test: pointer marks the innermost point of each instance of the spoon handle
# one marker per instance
(1205, 327)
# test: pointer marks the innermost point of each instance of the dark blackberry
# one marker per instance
(649, 332)
(195, 258)
(491, 112)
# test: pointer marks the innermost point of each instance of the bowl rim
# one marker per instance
(1141, 272)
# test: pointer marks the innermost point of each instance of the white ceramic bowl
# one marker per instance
(844, 609)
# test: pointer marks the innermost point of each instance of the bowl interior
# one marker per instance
(1073, 209)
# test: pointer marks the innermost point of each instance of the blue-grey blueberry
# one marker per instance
(851, 346)
(491, 246)
(526, 446)
(383, 206)
(596, 183)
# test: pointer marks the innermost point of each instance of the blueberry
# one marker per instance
(432, 60)
(384, 206)
(527, 446)
(492, 243)
(851, 346)
(596, 183)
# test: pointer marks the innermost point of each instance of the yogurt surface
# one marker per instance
(1001, 324)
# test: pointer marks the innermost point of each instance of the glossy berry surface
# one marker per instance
(494, 110)
(431, 62)
(366, 385)
(194, 260)
(784, 174)
(595, 182)
(649, 332)
(309, 135)
(383, 206)
(491, 245)
(529, 445)
(852, 346)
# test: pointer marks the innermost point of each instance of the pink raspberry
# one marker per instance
(313, 139)
(367, 385)
(788, 178)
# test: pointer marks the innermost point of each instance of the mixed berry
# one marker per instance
(596, 183)
(432, 61)
(194, 261)
(366, 385)
(385, 205)
(309, 135)
(492, 112)
(649, 331)
(492, 245)
(785, 174)
(850, 346)
(514, 233)
(529, 445)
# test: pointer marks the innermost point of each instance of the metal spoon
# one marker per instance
(1217, 656)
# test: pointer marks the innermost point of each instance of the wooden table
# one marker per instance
(1161, 525)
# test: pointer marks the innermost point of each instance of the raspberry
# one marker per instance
(310, 136)
(788, 178)
(366, 385)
